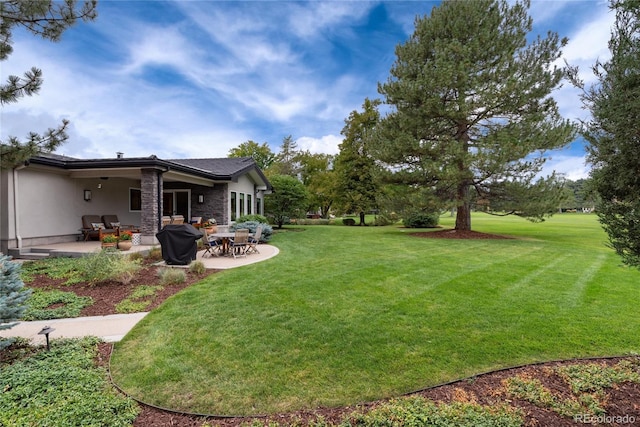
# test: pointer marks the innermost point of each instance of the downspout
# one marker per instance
(16, 216)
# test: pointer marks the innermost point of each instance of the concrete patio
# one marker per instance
(78, 249)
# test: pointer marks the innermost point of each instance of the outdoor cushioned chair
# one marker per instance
(93, 227)
(112, 221)
(166, 220)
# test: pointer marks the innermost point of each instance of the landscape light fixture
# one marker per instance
(46, 331)
(200, 198)
(87, 195)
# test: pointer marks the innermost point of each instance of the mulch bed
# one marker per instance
(486, 389)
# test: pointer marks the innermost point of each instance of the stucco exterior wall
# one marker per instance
(49, 205)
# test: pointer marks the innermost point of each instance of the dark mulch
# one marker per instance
(487, 389)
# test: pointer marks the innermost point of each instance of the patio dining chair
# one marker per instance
(239, 242)
(252, 244)
(212, 247)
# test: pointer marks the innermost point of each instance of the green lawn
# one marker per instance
(351, 314)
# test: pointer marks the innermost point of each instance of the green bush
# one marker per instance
(62, 387)
(422, 220)
(172, 276)
(252, 217)
(68, 305)
(267, 230)
(197, 267)
(349, 221)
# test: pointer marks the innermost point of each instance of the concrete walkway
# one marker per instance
(110, 328)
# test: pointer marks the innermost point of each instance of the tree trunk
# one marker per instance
(463, 215)
(362, 218)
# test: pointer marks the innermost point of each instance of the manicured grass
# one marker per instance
(351, 314)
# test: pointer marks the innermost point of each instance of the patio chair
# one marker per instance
(238, 245)
(93, 227)
(212, 247)
(252, 244)
(112, 221)
(177, 219)
(166, 220)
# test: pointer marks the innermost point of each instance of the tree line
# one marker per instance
(469, 119)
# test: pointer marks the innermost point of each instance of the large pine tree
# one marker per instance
(47, 19)
(471, 112)
(613, 133)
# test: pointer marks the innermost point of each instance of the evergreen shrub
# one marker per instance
(422, 220)
(267, 230)
(13, 296)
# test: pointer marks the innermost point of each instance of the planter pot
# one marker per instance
(212, 229)
(109, 245)
(125, 245)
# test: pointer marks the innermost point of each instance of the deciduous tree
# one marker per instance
(261, 153)
(47, 19)
(287, 200)
(471, 111)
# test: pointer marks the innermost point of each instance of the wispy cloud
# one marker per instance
(198, 78)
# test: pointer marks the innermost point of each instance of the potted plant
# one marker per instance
(210, 226)
(109, 241)
(124, 242)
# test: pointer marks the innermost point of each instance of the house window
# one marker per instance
(241, 204)
(135, 200)
(258, 205)
(249, 204)
(234, 205)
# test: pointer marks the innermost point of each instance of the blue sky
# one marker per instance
(194, 79)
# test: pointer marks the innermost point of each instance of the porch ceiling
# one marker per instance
(134, 173)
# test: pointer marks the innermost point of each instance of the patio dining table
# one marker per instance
(225, 237)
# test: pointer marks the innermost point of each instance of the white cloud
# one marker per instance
(572, 167)
(327, 144)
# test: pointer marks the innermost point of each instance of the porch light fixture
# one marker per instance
(87, 195)
(200, 198)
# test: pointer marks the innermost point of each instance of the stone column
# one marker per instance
(151, 188)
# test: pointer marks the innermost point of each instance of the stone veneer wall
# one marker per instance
(151, 187)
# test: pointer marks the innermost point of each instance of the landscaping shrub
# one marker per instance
(13, 295)
(106, 265)
(197, 267)
(253, 217)
(155, 254)
(312, 221)
(171, 276)
(267, 230)
(422, 220)
(349, 221)
(62, 387)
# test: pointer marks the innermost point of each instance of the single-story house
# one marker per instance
(43, 200)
